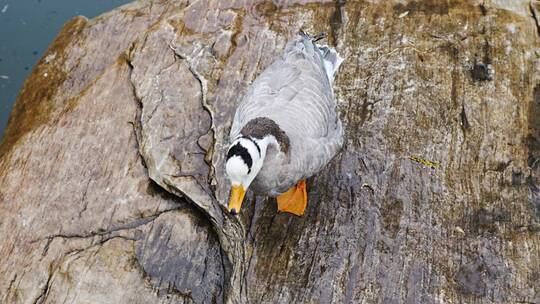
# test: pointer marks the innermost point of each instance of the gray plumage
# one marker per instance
(295, 92)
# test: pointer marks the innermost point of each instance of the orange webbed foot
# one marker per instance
(294, 200)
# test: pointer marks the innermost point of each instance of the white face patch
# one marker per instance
(244, 161)
(237, 170)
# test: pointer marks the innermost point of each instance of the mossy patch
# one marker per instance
(34, 105)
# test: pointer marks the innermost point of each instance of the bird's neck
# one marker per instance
(266, 129)
(263, 146)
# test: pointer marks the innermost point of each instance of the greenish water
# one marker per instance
(26, 29)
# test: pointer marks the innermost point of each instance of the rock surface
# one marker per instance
(112, 187)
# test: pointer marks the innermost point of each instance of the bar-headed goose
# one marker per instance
(286, 128)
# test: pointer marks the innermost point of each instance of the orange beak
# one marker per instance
(237, 197)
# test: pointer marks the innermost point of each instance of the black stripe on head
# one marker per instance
(241, 151)
(254, 142)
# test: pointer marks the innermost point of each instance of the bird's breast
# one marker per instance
(272, 179)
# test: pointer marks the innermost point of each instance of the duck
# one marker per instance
(286, 128)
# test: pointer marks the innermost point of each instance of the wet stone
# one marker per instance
(181, 255)
(482, 72)
(470, 279)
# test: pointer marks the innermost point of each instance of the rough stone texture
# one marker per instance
(435, 197)
(80, 220)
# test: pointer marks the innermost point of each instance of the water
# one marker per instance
(26, 29)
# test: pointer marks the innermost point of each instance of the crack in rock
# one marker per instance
(534, 7)
(206, 106)
(108, 234)
(230, 233)
(229, 230)
(45, 290)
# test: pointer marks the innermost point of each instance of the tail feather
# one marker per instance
(307, 45)
(315, 38)
(331, 58)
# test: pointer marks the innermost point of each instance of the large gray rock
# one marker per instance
(112, 185)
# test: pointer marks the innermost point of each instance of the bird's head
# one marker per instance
(244, 161)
